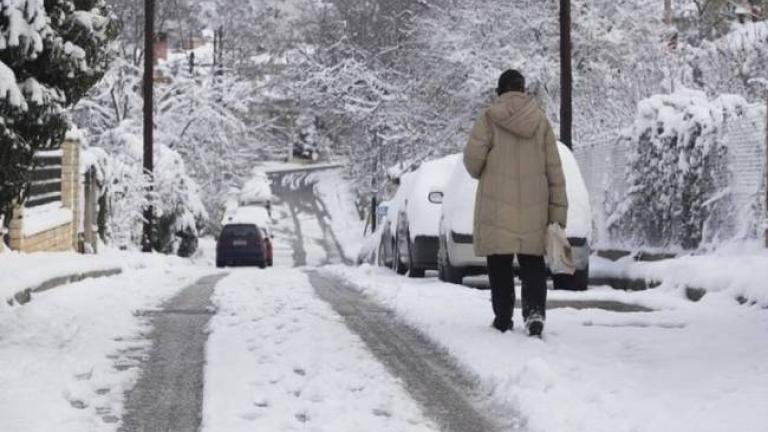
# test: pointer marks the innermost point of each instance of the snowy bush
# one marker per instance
(51, 54)
(176, 200)
(676, 173)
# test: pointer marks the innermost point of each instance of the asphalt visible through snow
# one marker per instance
(447, 395)
(169, 393)
(445, 392)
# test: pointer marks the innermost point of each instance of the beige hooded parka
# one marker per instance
(513, 153)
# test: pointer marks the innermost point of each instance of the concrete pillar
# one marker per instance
(15, 229)
(70, 185)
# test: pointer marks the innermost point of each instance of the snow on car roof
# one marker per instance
(423, 215)
(250, 215)
(256, 190)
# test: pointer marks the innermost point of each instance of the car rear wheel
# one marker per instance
(451, 274)
(400, 266)
(579, 281)
(413, 271)
(381, 257)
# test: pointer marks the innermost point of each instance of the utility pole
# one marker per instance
(149, 79)
(766, 173)
(566, 75)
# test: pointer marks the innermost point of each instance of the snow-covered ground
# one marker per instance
(67, 358)
(685, 367)
(280, 359)
(739, 271)
(336, 193)
(20, 271)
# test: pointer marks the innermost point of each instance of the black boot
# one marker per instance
(502, 326)
(534, 324)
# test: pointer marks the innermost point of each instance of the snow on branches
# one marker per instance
(51, 53)
(676, 169)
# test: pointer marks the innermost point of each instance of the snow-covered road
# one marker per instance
(280, 359)
(67, 358)
(308, 346)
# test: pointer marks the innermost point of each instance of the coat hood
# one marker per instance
(517, 113)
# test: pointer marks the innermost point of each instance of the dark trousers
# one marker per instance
(533, 274)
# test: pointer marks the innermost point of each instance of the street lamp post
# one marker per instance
(149, 78)
(566, 75)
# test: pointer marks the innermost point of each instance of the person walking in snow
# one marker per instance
(513, 153)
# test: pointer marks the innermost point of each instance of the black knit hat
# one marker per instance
(510, 80)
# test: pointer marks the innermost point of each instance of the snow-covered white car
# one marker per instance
(257, 191)
(457, 258)
(418, 216)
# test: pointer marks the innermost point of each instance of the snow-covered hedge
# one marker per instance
(677, 171)
(179, 210)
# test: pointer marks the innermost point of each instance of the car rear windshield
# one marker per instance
(240, 232)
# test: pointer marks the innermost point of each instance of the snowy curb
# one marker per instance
(25, 296)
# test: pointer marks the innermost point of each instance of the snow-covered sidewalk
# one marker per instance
(680, 368)
(280, 359)
(20, 271)
(67, 358)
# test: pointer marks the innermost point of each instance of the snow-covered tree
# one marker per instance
(51, 54)
(176, 197)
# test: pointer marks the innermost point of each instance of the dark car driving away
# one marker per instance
(241, 244)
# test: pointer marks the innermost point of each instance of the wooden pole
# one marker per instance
(566, 75)
(668, 12)
(149, 78)
(766, 174)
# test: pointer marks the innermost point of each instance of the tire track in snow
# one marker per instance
(169, 393)
(447, 394)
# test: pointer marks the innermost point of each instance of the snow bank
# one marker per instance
(739, 271)
(689, 367)
(19, 271)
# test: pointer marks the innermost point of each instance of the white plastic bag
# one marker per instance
(559, 251)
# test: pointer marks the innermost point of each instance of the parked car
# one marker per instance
(416, 242)
(257, 191)
(456, 257)
(241, 244)
(256, 215)
(386, 233)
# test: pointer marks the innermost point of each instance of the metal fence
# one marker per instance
(604, 164)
